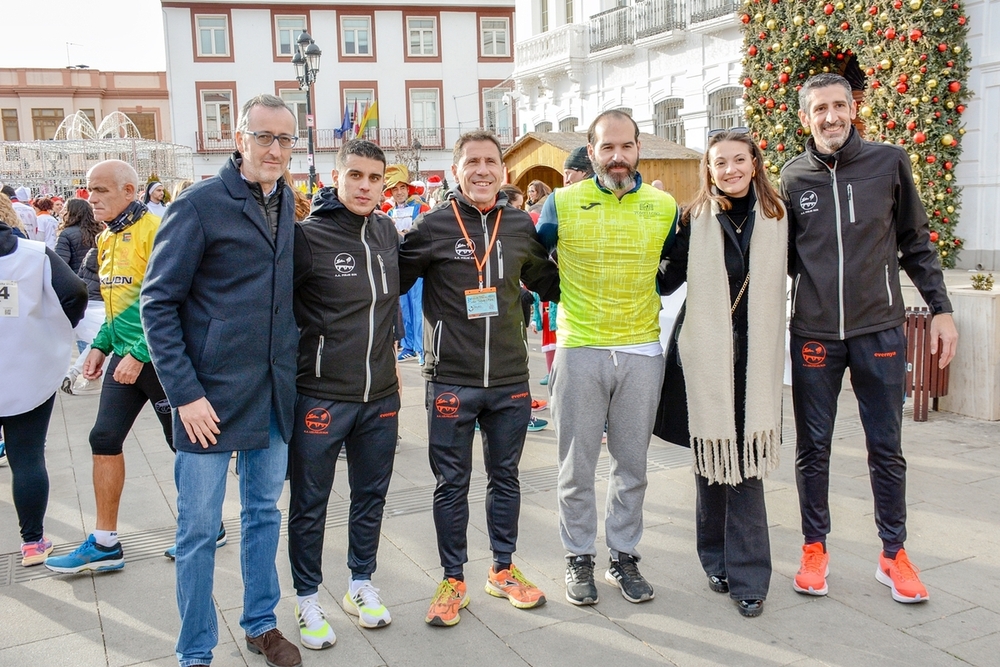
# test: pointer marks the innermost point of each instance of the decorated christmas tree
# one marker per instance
(908, 63)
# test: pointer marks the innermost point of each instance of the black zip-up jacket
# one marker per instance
(346, 299)
(854, 219)
(489, 351)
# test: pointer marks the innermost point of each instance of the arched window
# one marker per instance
(725, 108)
(667, 122)
(544, 126)
(568, 124)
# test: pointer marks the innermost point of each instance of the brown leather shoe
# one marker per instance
(277, 651)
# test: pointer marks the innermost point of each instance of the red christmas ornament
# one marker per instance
(961, 20)
(891, 125)
(898, 4)
(942, 47)
(763, 144)
(911, 126)
(954, 87)
(903, 78)
(890, 33)
(769, 66)
(752, 50)
(769, 103)
(783, 107)
(845, 26)
(870, 71)
(960, 108)
(919, 138)
(748, 82)
(828, 9)
(873, 10)
(915, 34)
(783, 77)
(931, 159)
(901, 88)
(745, 18)
(934, 237)
(781, 147)
(948, 165)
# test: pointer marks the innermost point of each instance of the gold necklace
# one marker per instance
(739, 227)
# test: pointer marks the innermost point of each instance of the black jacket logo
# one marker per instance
(591, 205)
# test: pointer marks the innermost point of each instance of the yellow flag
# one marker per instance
(370, 119)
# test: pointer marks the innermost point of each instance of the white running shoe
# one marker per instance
(314, 631)
(367, 606)
(83, 387)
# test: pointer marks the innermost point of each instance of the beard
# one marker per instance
(612, 181)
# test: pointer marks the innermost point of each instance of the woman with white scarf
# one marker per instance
(722, 386)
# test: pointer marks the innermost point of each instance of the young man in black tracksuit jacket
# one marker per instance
(346, 298)
(472, 251)
(855, 218)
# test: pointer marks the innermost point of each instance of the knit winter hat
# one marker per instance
(579, 160)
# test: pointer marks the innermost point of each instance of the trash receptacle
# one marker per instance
(924, 380)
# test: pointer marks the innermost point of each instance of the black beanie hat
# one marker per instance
(579, 160)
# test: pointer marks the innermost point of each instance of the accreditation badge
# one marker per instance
(481, 303)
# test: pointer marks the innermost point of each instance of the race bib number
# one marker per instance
(481, 303)
(8, 298)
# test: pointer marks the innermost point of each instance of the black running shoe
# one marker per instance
(624, 573)
(717, 583)
(580, 586)
(751, 608)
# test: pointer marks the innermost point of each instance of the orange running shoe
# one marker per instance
(450, 596)
(811, 577)
(538, 405)
(902, 577)
(514, 586)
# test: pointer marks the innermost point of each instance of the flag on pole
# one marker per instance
(345, 126)
(357, 119)
(370, 119)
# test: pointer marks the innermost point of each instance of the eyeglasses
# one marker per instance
(267, 138)
(734, 130)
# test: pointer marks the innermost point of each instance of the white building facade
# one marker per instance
(436, 69)
(675, 66)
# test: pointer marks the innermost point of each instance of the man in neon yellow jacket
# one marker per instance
(611, 232)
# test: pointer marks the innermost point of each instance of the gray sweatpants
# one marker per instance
(590, 386)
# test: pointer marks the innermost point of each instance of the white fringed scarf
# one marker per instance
(706, 349)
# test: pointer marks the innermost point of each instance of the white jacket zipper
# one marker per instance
(850, 203)
(385, 283)
(888, 287)
(795, 291)
(319, 356)
(371, 311)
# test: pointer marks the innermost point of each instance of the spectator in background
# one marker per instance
(9, 216)
(302, 201)
(404, 208)
(77, 245)
(153, 199)
(577, 166)
(179, 187)
(57, 207)
(537, 192)
(47, 225)
(20, 198)
(515, 197)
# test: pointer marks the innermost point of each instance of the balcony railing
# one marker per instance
(387, 137)
(654, 17)
(555, 48)
(705, 10)
(611, 28)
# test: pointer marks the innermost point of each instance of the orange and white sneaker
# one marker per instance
(902, 577)
(537, 405)
(511, 584)
(811, 577)
(450, 596)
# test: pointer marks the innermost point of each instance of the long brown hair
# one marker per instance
(768, 197)
(80, 212)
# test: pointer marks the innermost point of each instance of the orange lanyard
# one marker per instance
(493, 239)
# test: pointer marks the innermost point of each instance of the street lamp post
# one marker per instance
(416, 158)
(306, 62)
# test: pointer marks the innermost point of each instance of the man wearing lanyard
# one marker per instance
(472, 253)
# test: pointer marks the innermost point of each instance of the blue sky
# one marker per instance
(107, 35)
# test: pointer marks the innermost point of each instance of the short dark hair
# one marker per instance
(43, 204)
(822, 81)
(475, 135)
(611, 113)
(9, 192)
(361, 148)
(265, 100)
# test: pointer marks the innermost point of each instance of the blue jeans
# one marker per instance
(201, 488)
(413, 319)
